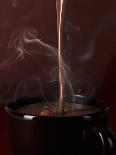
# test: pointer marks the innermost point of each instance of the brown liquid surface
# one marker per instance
(51, 110)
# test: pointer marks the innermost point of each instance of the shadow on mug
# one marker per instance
(29, 134)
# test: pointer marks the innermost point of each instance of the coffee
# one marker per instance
(51, 110)
(60, 8)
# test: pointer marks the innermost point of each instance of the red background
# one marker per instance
(92, 28)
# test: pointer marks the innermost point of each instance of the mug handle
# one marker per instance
(105, 137)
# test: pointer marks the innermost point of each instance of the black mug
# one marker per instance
(49, 135)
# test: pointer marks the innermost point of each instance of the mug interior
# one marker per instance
(11, 107)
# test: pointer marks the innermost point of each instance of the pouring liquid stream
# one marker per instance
(61, 7)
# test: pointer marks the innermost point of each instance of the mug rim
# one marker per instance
(11, 107)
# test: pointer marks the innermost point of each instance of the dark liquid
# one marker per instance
(51, 110)
(60, 8)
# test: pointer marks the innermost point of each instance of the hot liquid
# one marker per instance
(60, 8)
(51, 110)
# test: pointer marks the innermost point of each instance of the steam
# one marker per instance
(103, 24)
(30, 87)
(73, 27)
(68, 88)
(26, 41)
(14, 3)
(89, 54)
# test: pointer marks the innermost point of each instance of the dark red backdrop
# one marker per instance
(92, 28)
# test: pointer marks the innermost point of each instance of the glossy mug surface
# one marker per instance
(29, 134)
